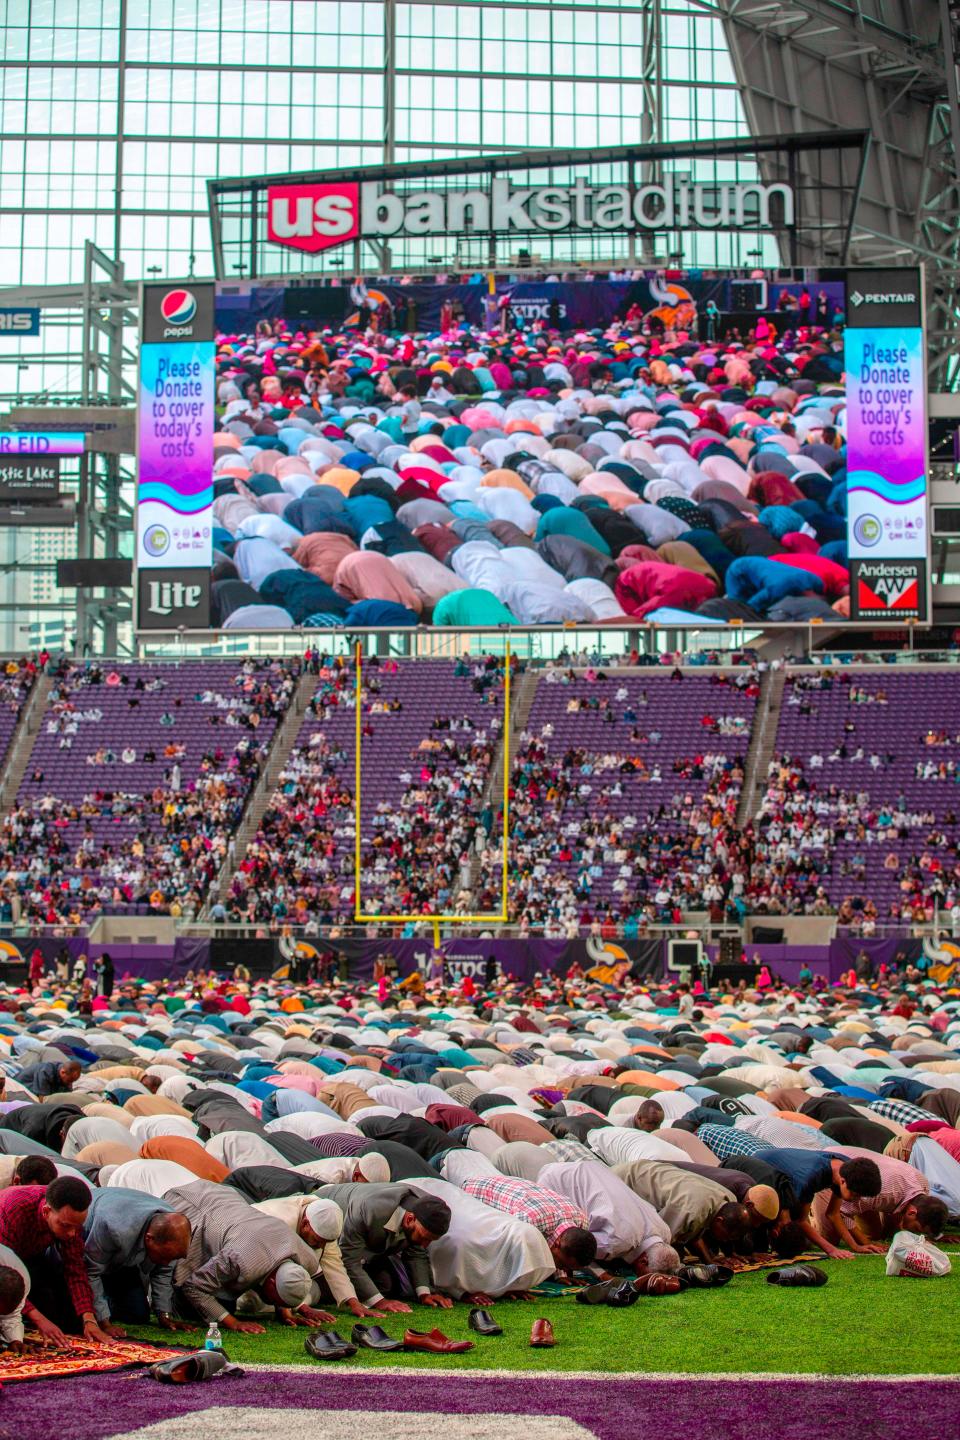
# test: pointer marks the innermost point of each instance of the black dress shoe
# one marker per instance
(373, 1337)
(328, 1346)
(799, 1275)
(483, 1322)
(596, 1294)
(704, 1276)
(621, 1294)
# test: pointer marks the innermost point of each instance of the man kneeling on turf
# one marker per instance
(809, 1172)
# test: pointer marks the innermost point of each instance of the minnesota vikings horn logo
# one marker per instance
(675, 306)
(605, 952)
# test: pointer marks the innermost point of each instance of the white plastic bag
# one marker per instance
(915, 1256)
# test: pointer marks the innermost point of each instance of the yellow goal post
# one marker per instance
(436, 920)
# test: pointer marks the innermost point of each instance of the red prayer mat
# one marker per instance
(79, 1358)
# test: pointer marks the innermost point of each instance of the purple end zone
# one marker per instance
(96, 1407)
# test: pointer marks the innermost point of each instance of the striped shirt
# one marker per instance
(790, 1134)
(339, 1142)
(568, 1149)
(232, 1249)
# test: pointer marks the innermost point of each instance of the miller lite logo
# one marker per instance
(165, 596)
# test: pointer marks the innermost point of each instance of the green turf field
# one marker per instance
(861, 1322)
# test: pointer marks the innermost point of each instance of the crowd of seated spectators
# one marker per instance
(860, 824)
(153, 825)
(429, 755)
(625, 788)
(617, 837)
(16, 682)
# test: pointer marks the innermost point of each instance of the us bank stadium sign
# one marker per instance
(318, 216)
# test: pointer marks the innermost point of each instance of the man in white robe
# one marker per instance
(238, 1149)
(626, 1227)
(485, 1253)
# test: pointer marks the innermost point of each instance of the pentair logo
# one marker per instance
(178, 307)
(856, 299)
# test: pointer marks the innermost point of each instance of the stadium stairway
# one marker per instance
(284, 739)
(21, 746)
(763, 740)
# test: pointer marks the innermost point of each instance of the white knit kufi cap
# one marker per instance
(325, 1219)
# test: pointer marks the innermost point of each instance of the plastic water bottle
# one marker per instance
(213, 1340)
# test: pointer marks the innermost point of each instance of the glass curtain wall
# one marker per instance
(114, 114)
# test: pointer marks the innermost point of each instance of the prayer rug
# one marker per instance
(739, 1264)
(79, 1358)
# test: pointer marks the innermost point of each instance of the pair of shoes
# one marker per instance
(541, 1335)
(434, 1342)
(800, 1275)
(705, 1277)
(328, 1346)
(184, 1368)
(373, 1337)
(483, 1322)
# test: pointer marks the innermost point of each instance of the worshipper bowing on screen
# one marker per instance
(397, 1221)
(34, 1221)
(233, 1250)
(810, 1171)
(624, 1226)
(702, 1215)
(319, 1224)
(131, 1245)
(563, 1223)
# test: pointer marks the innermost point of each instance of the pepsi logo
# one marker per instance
(178, 307)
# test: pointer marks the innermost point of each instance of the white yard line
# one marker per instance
(681, 1377)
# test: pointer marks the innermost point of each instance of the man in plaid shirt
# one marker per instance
(901, 1111)
(562, 1224)
(725, 1141)
(32, 1219)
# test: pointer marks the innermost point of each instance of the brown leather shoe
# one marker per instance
(541, 1335)
(657, 1284)
(435, 1342)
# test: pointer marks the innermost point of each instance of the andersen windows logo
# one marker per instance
(317, 217)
